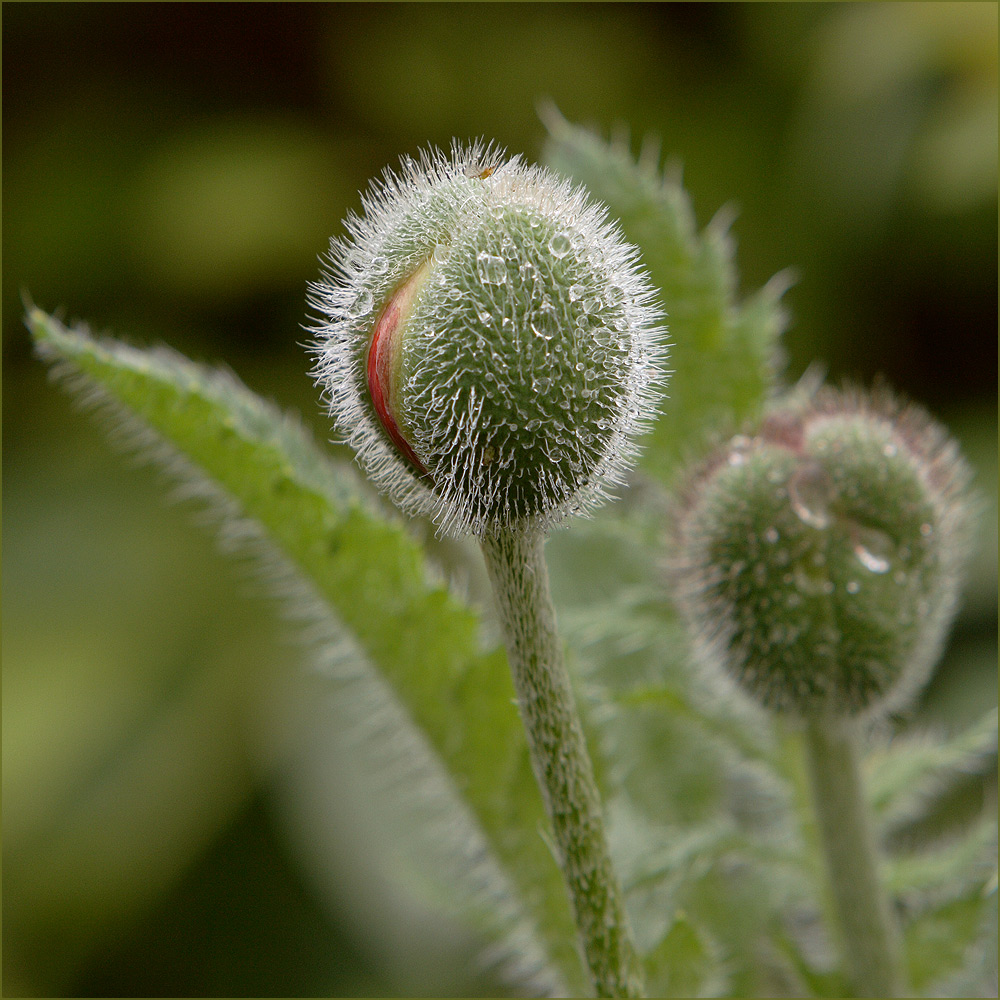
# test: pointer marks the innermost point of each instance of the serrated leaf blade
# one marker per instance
(723, 353)
(424, 643)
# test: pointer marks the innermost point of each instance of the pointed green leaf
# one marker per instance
(909, 778)
(422, 642)
(958, 864)
(947, 941)
(723, 353)
(687, 962)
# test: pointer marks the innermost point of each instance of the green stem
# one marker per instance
(868, 930)
(517, 571)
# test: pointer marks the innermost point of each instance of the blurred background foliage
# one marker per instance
(176, 819)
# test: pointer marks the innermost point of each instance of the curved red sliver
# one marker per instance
(379, 366)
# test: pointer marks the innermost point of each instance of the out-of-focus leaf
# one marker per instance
(687, 962)
(907, 779)
(958, 864)
(724, 354)
(951, 946)
(264, 469)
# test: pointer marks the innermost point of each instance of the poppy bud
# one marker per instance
(487, 344)
(818, 562)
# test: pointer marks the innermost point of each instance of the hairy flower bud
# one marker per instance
(487, 342)
(818, 562)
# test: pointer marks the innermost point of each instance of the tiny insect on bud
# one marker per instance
(487, 343)
(818, 562)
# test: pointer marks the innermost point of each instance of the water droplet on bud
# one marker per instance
(361, 305)
(873, 548)
(492, 270)
(870, 561)
(559, 245)
(809, 494)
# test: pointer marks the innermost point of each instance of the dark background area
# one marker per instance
(175, 822)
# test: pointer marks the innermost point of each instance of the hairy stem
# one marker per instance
(868, 930)
(517, 571)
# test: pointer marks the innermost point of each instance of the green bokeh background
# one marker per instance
(176, 820)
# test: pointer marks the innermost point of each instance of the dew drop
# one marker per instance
(889, 450)
(870, 561)
(926, 530)
(492, 270)
(739, 444)
(873, 549)
(559, 245)
(852, 586)
(362, 304)
(576, 292)
(484, 316)
(808, 495)
(527, 271)
(771, 535)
